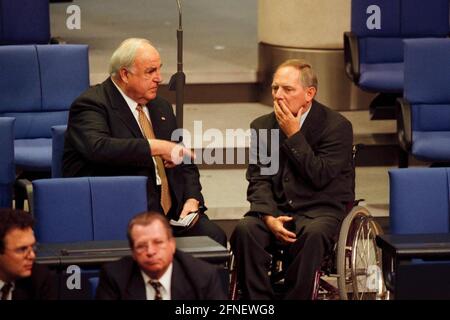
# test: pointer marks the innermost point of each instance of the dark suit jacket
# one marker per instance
(104, 139)
(192, 279)
(315, 167)
(41, 285)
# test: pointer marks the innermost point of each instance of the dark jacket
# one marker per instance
(41, 285)
(104, 139)
(315, 166)
(192, 279)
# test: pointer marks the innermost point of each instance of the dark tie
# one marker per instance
(144, 122)
(5, 290)
(157, 286)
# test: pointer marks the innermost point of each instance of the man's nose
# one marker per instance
(278, 93)
(158, 77)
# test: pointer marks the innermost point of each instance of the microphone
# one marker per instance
(178, 80)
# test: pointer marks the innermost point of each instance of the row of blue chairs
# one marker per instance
(374, 48)
(39, 83)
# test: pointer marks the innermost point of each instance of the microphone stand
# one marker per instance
(178, 80)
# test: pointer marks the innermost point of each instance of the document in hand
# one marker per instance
(185, 222)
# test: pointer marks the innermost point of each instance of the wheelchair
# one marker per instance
(351, 271)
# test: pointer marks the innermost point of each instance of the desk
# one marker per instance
(416, 266)
(94, 253)
(90, 255)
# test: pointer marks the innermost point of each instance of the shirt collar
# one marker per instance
(130, 102)
(165, 280)
(303, 117)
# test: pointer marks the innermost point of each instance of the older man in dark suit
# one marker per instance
(302, 203)
(156, 270)
(121, 127)
(20, 277)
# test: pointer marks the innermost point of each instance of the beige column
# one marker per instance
(312, 30)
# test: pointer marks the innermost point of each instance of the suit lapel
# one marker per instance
(314, 123)
(180, 287)
(135, 289)
(119, 105)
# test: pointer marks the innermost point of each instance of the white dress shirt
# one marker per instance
(165, 281)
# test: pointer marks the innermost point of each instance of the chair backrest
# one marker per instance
(427, 90)
(419, 200)
(24, 22)
(427, 79)
(7, 168)
(58, 133)
(39, 83)
(87, 208)
(381, 25)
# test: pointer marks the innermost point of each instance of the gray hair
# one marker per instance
(308, 77)
(125, 54)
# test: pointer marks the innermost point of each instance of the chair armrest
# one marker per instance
(404, 125)
(25, 187)
(351, 56)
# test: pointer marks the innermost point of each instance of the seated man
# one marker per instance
(156, 270)
(20, 277)
(303, 203)
(121, 127)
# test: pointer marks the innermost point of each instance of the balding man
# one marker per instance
(122, 128)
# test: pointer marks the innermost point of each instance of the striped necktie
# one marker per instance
(5, 290)
(157, 286)
(144, 122)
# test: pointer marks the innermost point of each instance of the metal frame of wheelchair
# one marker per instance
(354, 264)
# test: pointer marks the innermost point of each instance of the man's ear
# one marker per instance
(310, 93)
(123, 75)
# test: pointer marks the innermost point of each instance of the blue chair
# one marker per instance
(58, 134)
(88, 208)
(39, 83)
(419, 200)
(7, 172)
(373, 50)
(424, 111)
(24, 22)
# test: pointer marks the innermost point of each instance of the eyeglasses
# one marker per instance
(143, 247)
(24, 250)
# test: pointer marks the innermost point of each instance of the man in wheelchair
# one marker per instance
(302, 204)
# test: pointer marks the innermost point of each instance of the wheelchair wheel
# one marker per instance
(359, 258)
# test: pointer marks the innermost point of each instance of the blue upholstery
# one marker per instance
(120, 198)
(381, 49)
(7, 172)
(33, 154)
(424, 18)
(88, 208)
(427, 79)
(93, 283)
(382, 78)
(63, 210)
(419, 200)
(24, 21)
(40, 83)
(58, 133)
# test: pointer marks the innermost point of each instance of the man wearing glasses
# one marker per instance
(20, 277)
(156, 270)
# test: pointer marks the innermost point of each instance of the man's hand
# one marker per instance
(276, 226)
(171, 153)
(289, 123)
(191, 205)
